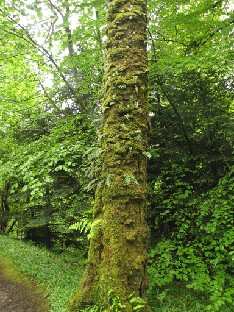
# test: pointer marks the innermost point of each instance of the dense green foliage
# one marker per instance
(51, 68)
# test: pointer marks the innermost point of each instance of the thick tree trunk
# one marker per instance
(117, 256)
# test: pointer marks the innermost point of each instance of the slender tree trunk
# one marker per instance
(117, 256)
(70, 45)
(5, 209)
(76, 79)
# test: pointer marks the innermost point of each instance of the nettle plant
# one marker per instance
(200, 251)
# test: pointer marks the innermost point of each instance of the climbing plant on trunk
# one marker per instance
(117, 255)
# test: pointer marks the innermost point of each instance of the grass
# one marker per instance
(175, 297)
(59, 275)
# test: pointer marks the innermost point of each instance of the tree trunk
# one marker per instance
(117, 256)
(5, 209)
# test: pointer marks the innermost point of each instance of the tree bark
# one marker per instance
(117, 256)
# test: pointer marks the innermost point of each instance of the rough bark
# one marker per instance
(117, 256)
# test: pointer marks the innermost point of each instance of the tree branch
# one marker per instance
(180, 120)
(26, 36)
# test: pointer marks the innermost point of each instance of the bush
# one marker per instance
(200, 252)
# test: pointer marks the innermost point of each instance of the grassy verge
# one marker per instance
(175, 297)
(59, 275)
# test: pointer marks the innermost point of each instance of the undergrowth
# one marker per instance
(175, 297)
(199, 250)
(60, 275)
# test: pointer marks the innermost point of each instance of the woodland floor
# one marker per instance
(19, 296)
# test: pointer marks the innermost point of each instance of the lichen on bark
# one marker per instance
(117, 256)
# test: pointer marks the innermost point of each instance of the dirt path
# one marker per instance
(19, 294)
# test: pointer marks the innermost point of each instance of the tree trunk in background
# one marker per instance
(5, 209)
(117, 256)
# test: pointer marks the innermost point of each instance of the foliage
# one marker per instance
(39, 178)
(190, 172)
(200, 251)
(192, 35)
(38, 168)
(175, 297)
(115, 305)
(40, 264)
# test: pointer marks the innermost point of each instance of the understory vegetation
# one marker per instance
(58, 275)
(51, 73)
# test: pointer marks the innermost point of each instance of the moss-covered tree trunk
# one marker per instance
(117, 256)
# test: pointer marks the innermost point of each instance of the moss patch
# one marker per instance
(25, 288)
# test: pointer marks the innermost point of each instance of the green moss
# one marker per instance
(11, 273)
(115, 5)
(116, 53)
(121, 5)
(33, 292)
(125, 16)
